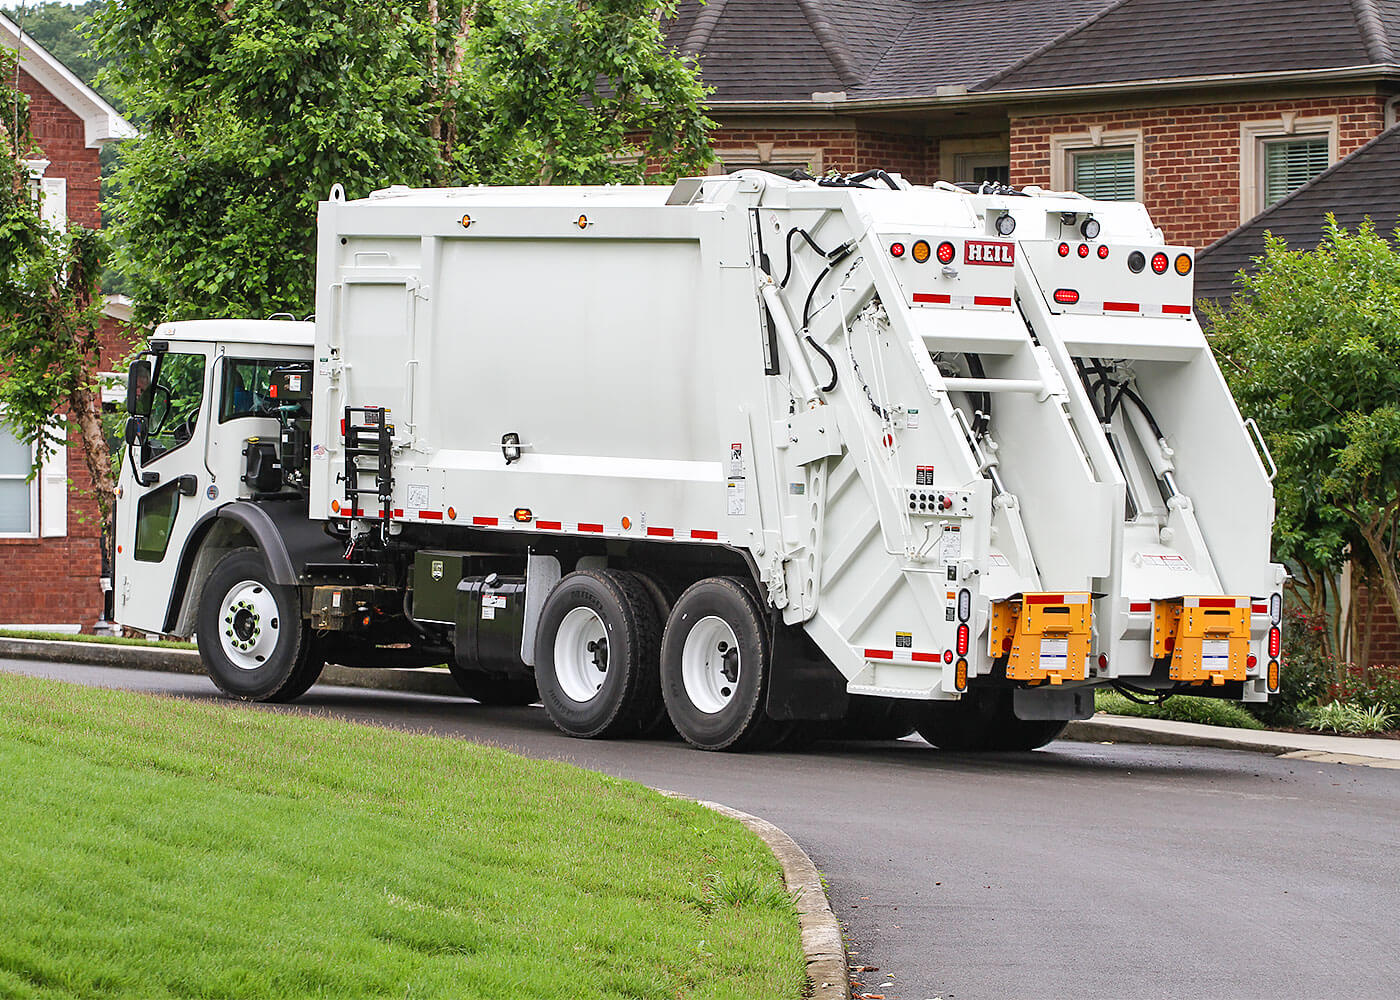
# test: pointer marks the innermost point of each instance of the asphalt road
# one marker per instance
(1078, 871)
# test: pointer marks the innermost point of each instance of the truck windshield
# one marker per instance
(176, 396)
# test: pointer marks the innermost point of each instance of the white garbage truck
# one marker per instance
(749, 457)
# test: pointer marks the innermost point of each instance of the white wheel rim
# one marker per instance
(710, 664)
(581, 654)
(248, 624)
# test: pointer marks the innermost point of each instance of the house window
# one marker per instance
(1105, 174)
(982, 168)
(19, 497)
(1288, 164)
(1280, 155)
(1098, 163)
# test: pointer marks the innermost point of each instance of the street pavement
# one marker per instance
(1079, 871)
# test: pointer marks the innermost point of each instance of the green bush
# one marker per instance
(1350, 717)
(1306, 673)
(1206, 711)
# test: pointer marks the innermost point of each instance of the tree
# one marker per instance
(1312, 346)
(251, 109)
(50, 309)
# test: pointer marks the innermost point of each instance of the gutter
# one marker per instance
(957, 97)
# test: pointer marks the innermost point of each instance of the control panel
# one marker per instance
(923, 501)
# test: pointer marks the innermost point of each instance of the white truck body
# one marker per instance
(866, 400)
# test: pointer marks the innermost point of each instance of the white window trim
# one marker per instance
(1064, 147)
(48, 517)
(34, 485)
(761, 154)
(1254, 134)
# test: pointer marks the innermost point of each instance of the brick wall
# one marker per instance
(1385, 633)
(1191, 154)
(845, 150)
(59, 133)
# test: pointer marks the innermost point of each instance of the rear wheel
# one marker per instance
(876, 719)
(252, 638)
(715, 663)
(595, 655)
(985, 720)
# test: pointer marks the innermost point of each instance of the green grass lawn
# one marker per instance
(110, 640)
(151, 847)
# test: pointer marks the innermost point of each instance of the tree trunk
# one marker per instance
(1372, 532)
(86, 407)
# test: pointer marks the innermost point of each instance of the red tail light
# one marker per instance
(1275, 642)
(946, 253)
(1103, 251)
(964, 634)
(1066, 296)
(896, 249)
(1159, 263)
(1083, 249)
(1064, 249)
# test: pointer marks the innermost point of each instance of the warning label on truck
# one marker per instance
(923, 475)
(904, 640)
(736, 460)
(417, 496)
(1054, 654)
(735, 493)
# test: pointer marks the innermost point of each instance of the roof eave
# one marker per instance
(101, 122)
(1040, 95)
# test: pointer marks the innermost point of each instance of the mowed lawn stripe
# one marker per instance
(157, 848)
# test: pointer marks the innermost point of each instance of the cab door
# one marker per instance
(162, 483)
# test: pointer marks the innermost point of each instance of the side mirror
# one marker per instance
(138, 388)
(135, 430)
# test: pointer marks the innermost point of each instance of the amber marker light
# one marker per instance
(466, 221)
(452, 513)
(960, 676)
(626, 524)
(524, 515)
(335, 506)
(1183, 264)
(921, 252)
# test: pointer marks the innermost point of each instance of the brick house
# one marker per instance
(1208, 112)
(49, 532)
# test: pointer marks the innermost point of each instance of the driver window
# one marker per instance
(247, 390)
(176, 395)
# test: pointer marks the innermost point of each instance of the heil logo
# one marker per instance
(987, 252)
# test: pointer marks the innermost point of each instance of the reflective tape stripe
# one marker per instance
(903, 655)
(1139, 607)
(1128, 307)
(1177, 310)
(486, 522)
(661, 532)
(1216, 602)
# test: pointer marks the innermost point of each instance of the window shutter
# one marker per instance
(55, 201)
(1106, 175)
(1290, 164)
(53, 490)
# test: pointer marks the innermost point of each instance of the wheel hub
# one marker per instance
(711, 664)
(581, 654)
(248, 626)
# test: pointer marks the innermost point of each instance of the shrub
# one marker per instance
(1349, 717)
(1206, 711)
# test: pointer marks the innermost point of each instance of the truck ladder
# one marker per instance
(369, 437)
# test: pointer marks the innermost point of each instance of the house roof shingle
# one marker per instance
(1366, 183)
(786, 50)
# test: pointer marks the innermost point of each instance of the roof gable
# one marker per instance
(101, 122)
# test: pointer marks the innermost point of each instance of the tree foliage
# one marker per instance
(1312, 347)
(50, 308)
(251, 110)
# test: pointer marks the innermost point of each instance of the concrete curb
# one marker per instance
(186, 661)
(1093, 731)
(827, 971)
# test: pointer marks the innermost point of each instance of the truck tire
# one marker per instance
(252, 638)
(596, 654)
(715, 663)
(870, 718)
(494, 689)
(984, 721)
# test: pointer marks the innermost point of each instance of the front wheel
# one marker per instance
(252, 638)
